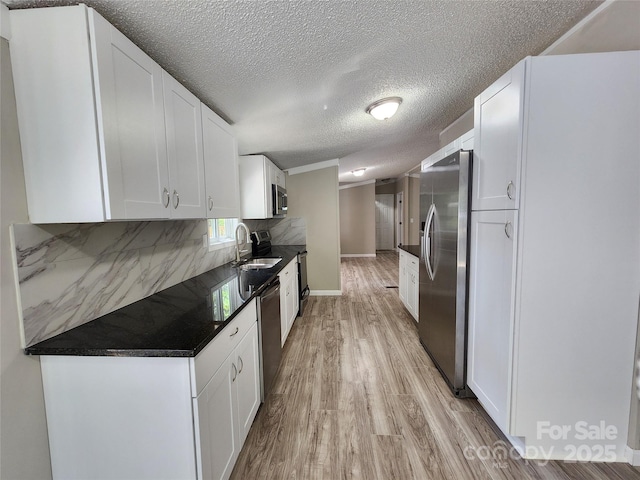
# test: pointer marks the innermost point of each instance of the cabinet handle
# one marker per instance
(176, 199)
(510, 190)
(210, 203)
(167, 197)
(507, 228)
(235, 331)
(241, 365)
(235, 372)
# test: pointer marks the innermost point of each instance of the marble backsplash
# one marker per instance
(70, 274)
(284, 231)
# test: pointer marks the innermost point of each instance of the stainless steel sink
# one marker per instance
(260, 263)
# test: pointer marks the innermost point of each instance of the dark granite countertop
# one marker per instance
(176, 322)
(412, 249)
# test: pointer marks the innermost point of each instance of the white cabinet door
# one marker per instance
(491, 311)
(412, 290)
(247, 382)
(402, 277)
(184, 150)
(295, 291)
(217, 432)
(288, 294)
(498, 142)
(277, 176)
(466, 140)
(284, 331)
(131, 117)
(255, 187)
(413, 286)
(220, 167)
(451, 148)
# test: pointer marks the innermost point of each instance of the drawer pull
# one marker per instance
(234, 332)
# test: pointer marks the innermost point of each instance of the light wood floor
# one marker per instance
(357, 397)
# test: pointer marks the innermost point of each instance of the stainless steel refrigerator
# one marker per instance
(444, 215)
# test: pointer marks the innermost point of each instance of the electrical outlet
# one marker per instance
(411, 220)
(205, 240)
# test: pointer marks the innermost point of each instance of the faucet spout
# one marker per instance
(247, 238)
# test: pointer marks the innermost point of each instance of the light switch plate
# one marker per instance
(205, 240)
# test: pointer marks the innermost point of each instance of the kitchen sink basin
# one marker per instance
(260, 263)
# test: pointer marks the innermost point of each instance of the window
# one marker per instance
(221, 232)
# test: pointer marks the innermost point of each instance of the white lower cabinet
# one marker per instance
(289, 297)
(225, 409)
(409, 284)
(402, 277)
(154, 417)
(492, 291)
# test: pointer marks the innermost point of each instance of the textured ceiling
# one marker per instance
(294, 77)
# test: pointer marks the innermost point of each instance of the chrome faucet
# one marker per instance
(239, 252)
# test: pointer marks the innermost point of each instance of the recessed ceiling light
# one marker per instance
(385, 108)
(359, 172)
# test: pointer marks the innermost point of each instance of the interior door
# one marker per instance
(384, 221)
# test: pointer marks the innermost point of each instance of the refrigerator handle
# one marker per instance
(427, 241)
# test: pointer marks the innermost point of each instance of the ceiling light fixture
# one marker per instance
(359, 172)
(385, 108)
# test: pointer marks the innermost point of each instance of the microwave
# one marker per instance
(279, 200)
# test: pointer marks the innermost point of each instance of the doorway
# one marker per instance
(384, 221)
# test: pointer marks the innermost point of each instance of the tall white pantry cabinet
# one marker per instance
(555, 249)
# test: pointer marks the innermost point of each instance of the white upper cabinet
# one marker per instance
(257, 175)
(220, 167)
(106, 134)
(498, 114)
(277, 176)
(131, 124)
(91, 122)
(183, 121)
(466, 140)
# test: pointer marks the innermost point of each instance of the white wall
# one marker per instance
(313, 196)
(358, 220)
(24, 445)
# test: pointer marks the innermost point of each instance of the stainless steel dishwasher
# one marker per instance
(269, 330)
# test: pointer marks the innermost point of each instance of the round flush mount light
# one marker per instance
(385, 108)
(359, 172)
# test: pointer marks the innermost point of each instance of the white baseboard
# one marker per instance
(367, 255)
(324, 293)
(633, 457)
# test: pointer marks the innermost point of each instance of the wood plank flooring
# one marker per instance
(357, 397)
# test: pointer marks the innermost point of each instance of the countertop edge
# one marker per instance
(411, 249)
